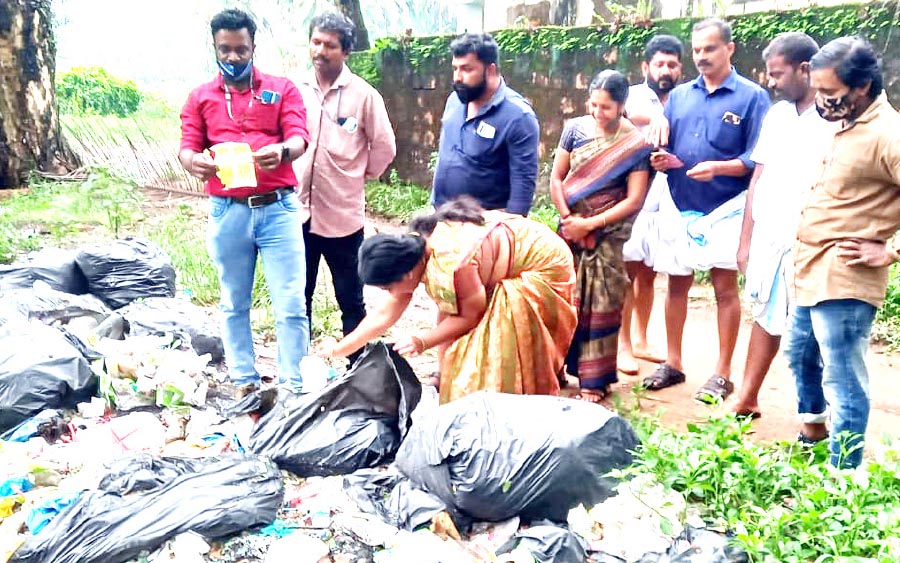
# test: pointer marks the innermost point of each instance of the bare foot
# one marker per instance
(626, 363)
(646, 353)
(595, 396)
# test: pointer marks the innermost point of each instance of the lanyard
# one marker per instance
(336, 117)
(228, 97)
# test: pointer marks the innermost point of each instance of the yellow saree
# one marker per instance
(520, 343)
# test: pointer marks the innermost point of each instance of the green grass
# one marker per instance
(783, 503)
(397, 201)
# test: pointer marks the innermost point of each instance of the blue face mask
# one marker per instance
(236, 72)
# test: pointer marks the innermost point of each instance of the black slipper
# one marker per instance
(664, 376)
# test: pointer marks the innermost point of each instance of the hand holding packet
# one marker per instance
(234, 161)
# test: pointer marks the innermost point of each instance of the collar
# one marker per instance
(495, 100)
(341, 81)
(651, 93)
(873, 111)
(730, 82)
(219, 81)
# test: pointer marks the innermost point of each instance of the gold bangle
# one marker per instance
(603, 216)
(419, 342)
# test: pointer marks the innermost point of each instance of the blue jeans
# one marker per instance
(236, 235)
(826, 350)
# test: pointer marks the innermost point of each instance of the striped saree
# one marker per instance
(597, 181)
(520, 343)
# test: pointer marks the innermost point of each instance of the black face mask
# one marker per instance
(468, 93)
(662, 86)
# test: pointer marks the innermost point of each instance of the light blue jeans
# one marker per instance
(826, 350)
(236, 234)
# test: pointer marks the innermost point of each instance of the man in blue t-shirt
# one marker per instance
(714, 122)
(489, 133)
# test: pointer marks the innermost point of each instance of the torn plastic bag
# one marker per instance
(50, 306)
(48, 424)
(357, 421)
(493, 456)
(392, 497)
(157, 316)
(547, 543)
(40, 368)
(221, 497)
(121, 271)
(55, 266)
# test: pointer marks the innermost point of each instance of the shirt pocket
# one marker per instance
(265, 118)
(478, 148)
(725, 136)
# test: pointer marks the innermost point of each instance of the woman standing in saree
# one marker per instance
(504, 289)
(598, 183)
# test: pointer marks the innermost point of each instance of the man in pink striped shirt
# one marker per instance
(351, 140)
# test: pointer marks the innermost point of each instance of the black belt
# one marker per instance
(261, 200)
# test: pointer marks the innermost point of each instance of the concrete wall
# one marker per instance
(554, 81)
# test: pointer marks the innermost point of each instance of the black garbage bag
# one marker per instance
(51, 306)
(392, 497)
(144, 472)
(493, 456)
(219, 497)
(55, 266)
(699, 545)
(124, 270)
(355, 422)
(165, 315)
(548, 543)
(40, 368)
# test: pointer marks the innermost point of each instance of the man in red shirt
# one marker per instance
(243, 105)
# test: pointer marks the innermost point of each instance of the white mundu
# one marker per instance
(644, 240)
(792, 148)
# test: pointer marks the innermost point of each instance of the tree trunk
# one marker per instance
(30, 136)
(352, 10)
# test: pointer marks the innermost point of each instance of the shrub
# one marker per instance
(92, 91)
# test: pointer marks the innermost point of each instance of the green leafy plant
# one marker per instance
(93, 91)
(117, 197)
(397, 199)
(784, 503)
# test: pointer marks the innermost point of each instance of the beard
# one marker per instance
(664, 85)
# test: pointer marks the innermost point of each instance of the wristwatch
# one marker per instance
(285, 153)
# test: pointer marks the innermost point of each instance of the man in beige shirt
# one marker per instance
(845, 242)
(350, 141)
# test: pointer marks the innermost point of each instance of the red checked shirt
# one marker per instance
(205, 122)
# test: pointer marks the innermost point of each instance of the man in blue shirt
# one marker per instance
(714, 122)
(489, 133)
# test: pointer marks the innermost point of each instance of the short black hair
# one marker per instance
(723, 26)
(668, 44)
(795, 47)
(233, 20)
(613, 82)
(482, 44)
(337, 23)
(854, 61)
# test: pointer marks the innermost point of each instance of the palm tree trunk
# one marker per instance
(30, 136)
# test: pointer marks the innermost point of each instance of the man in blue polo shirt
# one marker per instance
(714, 122)
(489, 133)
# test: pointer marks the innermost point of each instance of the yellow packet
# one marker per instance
(235, 165)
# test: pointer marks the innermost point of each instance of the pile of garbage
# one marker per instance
(120, 442)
